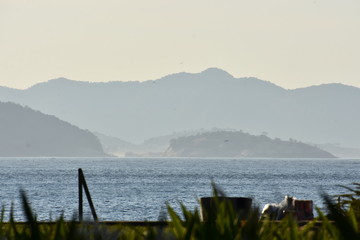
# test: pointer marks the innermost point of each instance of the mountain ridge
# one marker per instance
(135, 111)
(209, 71)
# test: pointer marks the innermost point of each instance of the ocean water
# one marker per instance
(138, 189)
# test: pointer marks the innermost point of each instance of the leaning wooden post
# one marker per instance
(82, 183)
(80, 195)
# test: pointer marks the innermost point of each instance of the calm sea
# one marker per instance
(139, 189)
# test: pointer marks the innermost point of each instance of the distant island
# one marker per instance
(240, 144)
(28, 133)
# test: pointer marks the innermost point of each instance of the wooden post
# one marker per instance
(80, 195)
(82, 183)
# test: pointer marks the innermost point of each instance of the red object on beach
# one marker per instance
(303, 209)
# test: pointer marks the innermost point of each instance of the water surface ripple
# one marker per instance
(138, 188)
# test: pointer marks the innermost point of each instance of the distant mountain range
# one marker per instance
(135, 111)
(28, 133)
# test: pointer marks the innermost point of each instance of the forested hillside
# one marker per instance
(240, 144)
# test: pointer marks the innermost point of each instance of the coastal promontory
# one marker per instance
(28, 133)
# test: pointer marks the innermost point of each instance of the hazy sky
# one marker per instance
(290, 43)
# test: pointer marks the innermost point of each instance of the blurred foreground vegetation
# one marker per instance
(340, 221)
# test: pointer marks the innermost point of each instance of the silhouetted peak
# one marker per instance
(330, 88)
(216, 73)
(56, 82)
(336, 86)
(59, 80)
(208, 74)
